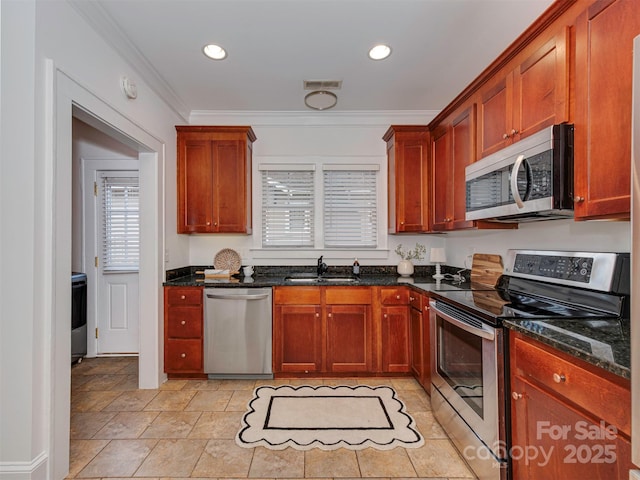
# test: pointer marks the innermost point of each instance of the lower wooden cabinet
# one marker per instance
(349, 338)
(297, 338)
(420, 339)
(569, 419)
(183, 332)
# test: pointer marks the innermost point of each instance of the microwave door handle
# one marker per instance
(514, 181)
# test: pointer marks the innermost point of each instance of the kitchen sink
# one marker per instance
(312, 278)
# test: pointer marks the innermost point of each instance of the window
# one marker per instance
(287, 206)
(335, 210)
(120, 222)
(350, 207)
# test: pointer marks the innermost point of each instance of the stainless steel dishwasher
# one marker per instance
(237, 332)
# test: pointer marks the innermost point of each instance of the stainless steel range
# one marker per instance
(468, 344)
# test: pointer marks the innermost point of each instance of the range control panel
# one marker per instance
(576, 269)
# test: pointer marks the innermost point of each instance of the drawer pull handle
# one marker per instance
(516, 395)
(182, 297)
(183, 322)
(559, 378)
(183, 355)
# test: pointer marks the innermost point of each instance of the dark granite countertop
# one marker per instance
(603, 343)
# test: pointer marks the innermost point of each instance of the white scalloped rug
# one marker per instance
(328, 418)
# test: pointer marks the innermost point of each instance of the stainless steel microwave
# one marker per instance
(529, 180)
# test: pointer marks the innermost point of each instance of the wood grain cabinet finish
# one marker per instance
(420, 339)
(395, 348)
(183, 332)
(533, 95)
(578, 414)
(322, 330)
(408, 178)
(452, 149)
(214, 179)
(603, 85)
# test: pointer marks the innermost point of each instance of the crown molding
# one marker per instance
(105, 26)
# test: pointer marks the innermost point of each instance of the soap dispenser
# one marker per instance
(356, 267)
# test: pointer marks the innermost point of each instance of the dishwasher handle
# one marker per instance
(231, 296)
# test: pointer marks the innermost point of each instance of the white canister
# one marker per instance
(247, 270)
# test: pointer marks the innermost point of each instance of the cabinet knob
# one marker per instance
(559, 378)
(514, 132)
(330, 315)
(385, 315)
(317, 315)
(516, 395)
(401, 223)
(426, 308)
(411, 299)
(183, 355)
(208, 224)
(578, 199)
(505, 136)
(397, 297)
(215, 224)
(182, 297)
(183, 322)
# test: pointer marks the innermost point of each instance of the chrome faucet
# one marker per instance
(322, 267)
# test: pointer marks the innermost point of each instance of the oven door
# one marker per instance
(466, 365)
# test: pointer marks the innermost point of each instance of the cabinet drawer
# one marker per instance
(394, 296)
(183, 356)
(588, 388)
(296, 295)
(184, 322)
(417, 300)
(184, 296)
(348, 295)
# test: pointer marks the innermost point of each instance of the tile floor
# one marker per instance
(186, 428)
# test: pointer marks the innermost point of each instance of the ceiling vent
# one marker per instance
(322, 84)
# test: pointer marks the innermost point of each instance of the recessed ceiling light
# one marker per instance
(379, 52)
(215, 52)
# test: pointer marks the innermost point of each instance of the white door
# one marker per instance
(112, 247)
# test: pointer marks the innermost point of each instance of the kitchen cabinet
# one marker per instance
(575, 416)
(183, 332)
(408, 178)
(529, 97)
(214, 179)
(297, 330)
(453, 148)
(420, 339)
(604, 61)
(395, 334)
(322, 330)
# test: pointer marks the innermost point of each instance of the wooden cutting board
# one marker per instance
(486, 268)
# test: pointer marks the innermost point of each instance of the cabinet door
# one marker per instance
(349, 338)
(442, 178)
(395, 339)
(297, 341)
(417, 342)
(496, 112)
(562, 439)
(195, 192)
(229, 203)
(604, 61)
(463, 149)
(541, 83)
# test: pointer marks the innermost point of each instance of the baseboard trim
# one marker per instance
(36, 469)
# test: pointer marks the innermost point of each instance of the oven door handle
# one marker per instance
(483, 332)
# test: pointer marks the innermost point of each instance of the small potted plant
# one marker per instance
(405, 267)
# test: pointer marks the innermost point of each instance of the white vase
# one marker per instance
(405, 268)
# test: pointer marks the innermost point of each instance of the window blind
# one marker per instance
(350, 207)
(121, 223)
(287, 207)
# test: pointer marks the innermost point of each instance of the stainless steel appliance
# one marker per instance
(78, 316)
(529, 180)
(237, 332)
(468, 364)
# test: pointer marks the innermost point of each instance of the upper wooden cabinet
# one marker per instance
(214, 179)
(533, 95)
(408, 157)
(453, 148)
(603, 84)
